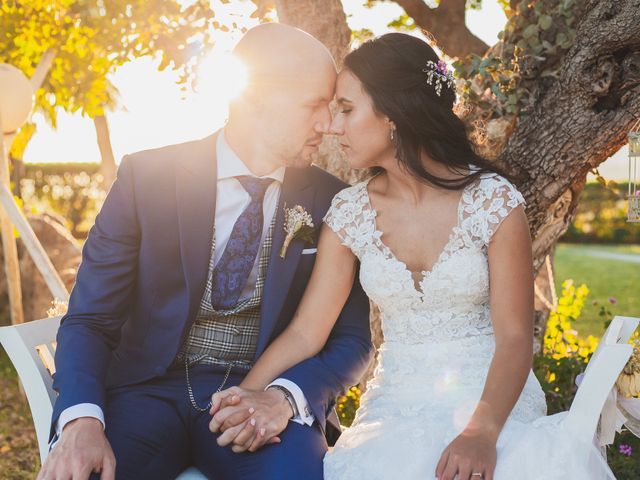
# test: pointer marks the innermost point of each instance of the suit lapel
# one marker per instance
(296, 190)
(196, 177)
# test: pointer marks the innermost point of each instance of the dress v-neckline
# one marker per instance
(418, 287)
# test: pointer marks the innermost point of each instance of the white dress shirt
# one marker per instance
(231, 201)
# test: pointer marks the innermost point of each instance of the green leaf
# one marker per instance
(403, 23)
(561, 38)
(307, 234)
(545, 22)
(530, 31)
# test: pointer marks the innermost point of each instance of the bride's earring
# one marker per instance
(392, 135)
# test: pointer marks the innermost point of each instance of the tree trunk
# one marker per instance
(581, 120)
(17, 174)
(324, 20)
(108, 162)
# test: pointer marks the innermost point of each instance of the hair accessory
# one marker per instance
(438, 72)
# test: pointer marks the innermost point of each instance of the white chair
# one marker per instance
(31, 347)
(600, 376)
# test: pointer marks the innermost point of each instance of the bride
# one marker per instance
(443, 248)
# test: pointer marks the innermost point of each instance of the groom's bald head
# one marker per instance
(278, 55)
(285, 107)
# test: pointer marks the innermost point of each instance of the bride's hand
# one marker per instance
(470, 456)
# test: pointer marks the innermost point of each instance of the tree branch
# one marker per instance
(446, 24)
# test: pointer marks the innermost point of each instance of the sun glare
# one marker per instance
(221, 76)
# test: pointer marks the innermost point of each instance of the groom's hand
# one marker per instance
(225, 398)
(249, 419)
(82, 449)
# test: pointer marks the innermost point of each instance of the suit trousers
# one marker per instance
(156, 433)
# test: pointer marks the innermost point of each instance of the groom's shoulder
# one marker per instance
(325, 182)
(161, 160)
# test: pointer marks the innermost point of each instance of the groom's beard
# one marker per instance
(303, 160)
(307, 155)
(299, 162)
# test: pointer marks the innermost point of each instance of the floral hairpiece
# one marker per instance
(438, 72)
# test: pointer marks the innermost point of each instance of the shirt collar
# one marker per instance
(230, 165)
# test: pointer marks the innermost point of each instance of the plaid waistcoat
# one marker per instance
(221, 337)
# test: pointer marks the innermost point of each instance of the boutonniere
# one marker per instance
(297, 224)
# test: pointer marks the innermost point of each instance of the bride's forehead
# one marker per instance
(348, 85)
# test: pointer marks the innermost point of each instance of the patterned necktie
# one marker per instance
(231, 273)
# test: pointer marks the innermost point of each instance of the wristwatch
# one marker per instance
(289, 397)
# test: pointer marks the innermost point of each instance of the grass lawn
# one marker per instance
(604, 277)
(19, 457)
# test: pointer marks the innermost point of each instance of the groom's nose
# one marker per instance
(336, 126)
(323, 121)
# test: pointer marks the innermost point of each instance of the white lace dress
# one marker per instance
(438, 346)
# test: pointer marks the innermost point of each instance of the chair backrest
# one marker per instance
(31, 348)
(601, 373)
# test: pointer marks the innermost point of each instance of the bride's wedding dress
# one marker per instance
(438, 345)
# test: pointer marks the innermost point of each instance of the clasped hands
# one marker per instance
(249, 419)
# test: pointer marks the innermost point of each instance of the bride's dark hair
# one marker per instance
(390, 70)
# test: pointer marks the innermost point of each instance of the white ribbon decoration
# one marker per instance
(618, 411)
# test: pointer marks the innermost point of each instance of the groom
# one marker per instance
(182, 287)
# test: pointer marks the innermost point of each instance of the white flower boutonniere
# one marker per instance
(297, 224)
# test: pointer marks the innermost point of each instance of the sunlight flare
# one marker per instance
(221, 76)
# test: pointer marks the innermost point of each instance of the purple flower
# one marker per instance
(613, 300)
(442, 67)
(625, 449)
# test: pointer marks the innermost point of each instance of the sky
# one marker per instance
(154, 112)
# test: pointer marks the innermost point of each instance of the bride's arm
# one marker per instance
(326, 293)
(511, 293)
(511, 296)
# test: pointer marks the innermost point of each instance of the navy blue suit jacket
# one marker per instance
(143, 274)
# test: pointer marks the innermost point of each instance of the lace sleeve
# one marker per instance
(503, 198)
(349, 216)
(339, 216)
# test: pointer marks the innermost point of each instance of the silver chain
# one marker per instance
(190, 389)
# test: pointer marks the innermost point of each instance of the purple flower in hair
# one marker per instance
(437, 75)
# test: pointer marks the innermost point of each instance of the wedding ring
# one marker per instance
(477, 474)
